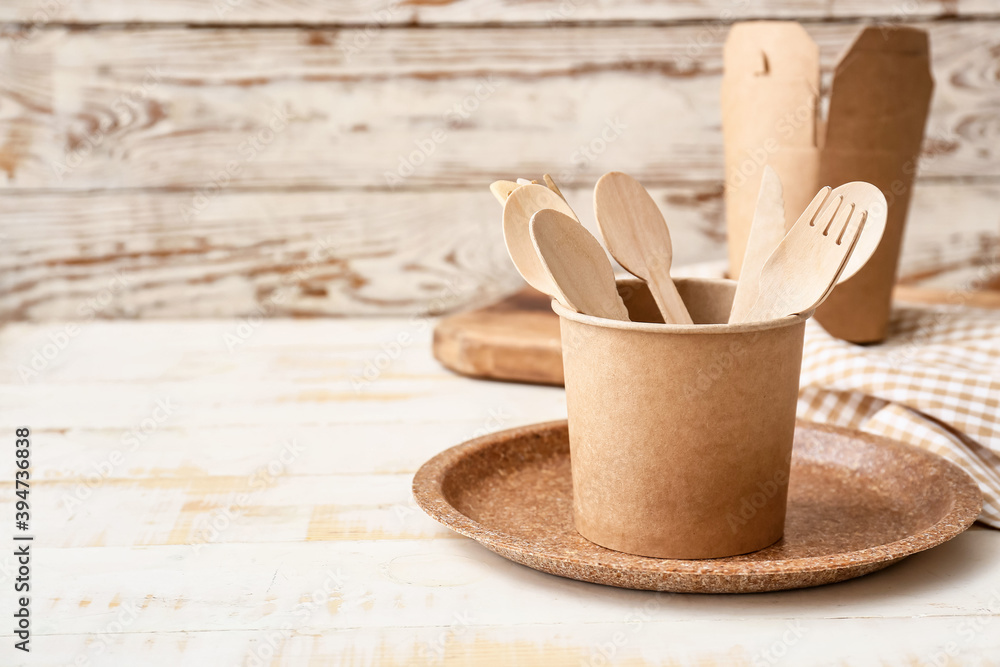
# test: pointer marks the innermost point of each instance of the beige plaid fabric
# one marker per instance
(934, 383)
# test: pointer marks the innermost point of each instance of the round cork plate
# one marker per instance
(856, 504)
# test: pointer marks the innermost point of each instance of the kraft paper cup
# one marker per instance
(680, 436)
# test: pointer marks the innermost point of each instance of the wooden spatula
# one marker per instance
(637, 236)
(576, 265)
(802, 270)
(523, 203)
(766, 232)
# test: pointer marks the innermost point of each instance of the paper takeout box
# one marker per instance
(680, 435)
(878, 106)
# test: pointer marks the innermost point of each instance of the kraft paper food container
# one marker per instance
(878, 106)
(680, 435)
(859, 309)
(770, 110)
(877, 140)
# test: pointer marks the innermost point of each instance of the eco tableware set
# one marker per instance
(682, 408)
(681, 392)
(784, 273)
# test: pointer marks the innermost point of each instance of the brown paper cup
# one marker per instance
(680, 436)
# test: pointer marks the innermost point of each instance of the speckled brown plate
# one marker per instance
(857, 503)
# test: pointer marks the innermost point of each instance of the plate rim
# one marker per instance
(427, 489)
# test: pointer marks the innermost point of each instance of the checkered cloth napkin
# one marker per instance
(934, 383)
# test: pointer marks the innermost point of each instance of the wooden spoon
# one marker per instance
(805, 266)
(502, 189)
(637, 236)
(523, 203)
(576, 265)
(552, 185)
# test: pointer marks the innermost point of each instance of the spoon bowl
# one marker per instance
(577, 266)
(523, 203)
(637, 236)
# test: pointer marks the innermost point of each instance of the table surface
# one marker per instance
(238, 493)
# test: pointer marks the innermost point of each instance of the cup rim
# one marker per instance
(683, 329)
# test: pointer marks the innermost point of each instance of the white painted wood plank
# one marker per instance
(343, 449)
(383, 12)
(311, 253)
(220, 350)
(392, 585)
(630, 641)
(253, 254)
(398, 586)
(88, 405)
(424, 583)
(532, 98)
(271, 504)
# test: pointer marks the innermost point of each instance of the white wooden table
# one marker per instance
(258, 511)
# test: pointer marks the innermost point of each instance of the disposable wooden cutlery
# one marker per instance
(805, 266)
(766, 232)
(523, 203)
(868, 198)
(768, 228)
(502, 189)
(576, 265)
(637, 236)
(551, 184)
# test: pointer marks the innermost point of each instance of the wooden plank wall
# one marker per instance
(182, 158)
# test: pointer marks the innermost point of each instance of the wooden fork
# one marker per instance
(799, 274)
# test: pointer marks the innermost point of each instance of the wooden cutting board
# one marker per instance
(517, 339)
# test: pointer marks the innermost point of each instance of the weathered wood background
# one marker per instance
(182, 158)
